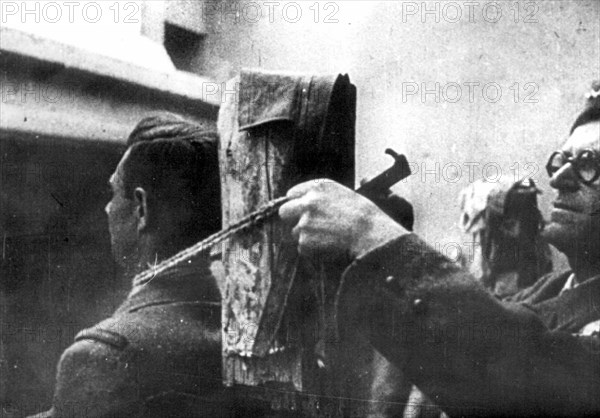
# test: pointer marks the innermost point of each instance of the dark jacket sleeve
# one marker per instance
(470, 353)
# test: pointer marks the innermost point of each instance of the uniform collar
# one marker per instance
(572, 308)
(570, 283)
(190, 281)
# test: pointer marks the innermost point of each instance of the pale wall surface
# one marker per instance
(559, 54)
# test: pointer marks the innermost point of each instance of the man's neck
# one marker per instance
(148, 253)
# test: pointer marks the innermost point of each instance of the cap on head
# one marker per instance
(176, 162)
(165, 125)
(592, 108)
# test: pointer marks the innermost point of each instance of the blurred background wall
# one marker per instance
(467, 90)
(522, 69)
(70, 95)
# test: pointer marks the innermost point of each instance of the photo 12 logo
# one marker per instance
(470, 171)
(270, 11)
(471, 91)
(469, 11)
(23, 12)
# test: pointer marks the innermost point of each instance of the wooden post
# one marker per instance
(276, 131)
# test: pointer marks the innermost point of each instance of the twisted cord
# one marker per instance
(251, 220)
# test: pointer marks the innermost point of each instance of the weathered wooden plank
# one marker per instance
(270, 325)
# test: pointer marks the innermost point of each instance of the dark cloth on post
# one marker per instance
(158, 355)
(468, 352)
(282, 129)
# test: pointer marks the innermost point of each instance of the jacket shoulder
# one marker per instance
(93, 375)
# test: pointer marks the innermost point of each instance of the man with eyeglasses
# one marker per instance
(471, 354)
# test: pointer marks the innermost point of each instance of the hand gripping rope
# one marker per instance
(383, 181)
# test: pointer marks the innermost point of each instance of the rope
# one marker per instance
(251, 220)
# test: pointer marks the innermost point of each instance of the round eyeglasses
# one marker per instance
(586, 164)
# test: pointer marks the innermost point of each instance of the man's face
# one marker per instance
(122, 222)
(575, 220)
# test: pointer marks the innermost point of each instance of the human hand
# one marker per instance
(332, 218)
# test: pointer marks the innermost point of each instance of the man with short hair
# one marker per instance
(538, 353)
(160, 352)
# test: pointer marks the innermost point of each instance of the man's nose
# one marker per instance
(107, 208)
(565, 178)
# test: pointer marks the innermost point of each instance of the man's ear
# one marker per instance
(140, 198)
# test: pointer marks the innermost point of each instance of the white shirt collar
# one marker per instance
(570, 283)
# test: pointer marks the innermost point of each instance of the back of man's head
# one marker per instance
(176, 163)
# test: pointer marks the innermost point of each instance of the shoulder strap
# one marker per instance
(98, 333)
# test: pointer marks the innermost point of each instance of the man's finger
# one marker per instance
(300, 225)
(317, 246)
(303, 188)
(292, 210)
